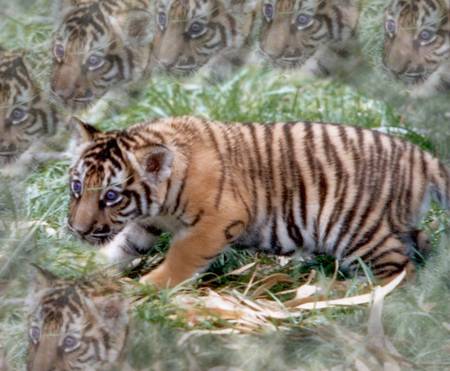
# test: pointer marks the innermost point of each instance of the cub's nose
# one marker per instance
(102, 231)
(79, 229)
(10, 148)
(64, 93)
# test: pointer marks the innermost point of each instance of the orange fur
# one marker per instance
(287, 187)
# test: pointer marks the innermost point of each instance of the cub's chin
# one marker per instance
(414, 79)
(99, 241)
(288, 63)
(8, 158)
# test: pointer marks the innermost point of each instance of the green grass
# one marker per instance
(416, 317)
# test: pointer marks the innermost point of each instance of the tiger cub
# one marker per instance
(308, 187)
(27, 118)
(316, 34)
(417, 44)
(99, 46)
(191, 34)
(75, 325)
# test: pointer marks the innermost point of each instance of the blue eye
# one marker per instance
(95, 61)
(390, 26)
(111, 196)
(76, 187)
(69, 343)
(59, 51)
(196, 29)
(35, 334)
(18, 115)
(303, 20)
(268, 11)
(426, 35)
(162, 20)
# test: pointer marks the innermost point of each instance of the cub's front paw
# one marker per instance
(112, 254)
(158, 277)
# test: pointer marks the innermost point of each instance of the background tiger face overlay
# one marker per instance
(191, 33)
(294, 30)
(417, 40)
(98, 46)
(25, 114)
(75, 325)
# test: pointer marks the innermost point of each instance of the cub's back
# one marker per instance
(327, 160)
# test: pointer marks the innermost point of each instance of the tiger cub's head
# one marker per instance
(26, 116)
(294, 30)
(118, 177)
(75, 325)
(98, 46)
(191, 33)
(416, 38)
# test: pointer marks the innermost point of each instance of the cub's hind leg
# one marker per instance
(418, 242)
(386, 255)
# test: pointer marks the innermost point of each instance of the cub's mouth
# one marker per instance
(99, 239)
(96, 238)
(7, 158)
(414, 78)
(288, 62)
(183, 70)
(78, 103)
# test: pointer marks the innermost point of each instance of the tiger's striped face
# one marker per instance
(417, 38)
(190, 33)
(294, 30)
(109, 185)
(98, 46)
(75, 325)
(25, 115)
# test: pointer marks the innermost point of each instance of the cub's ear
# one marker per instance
(41, 278)
(134, 26)
(155, 162)
(62, 7)
(86, 133)
(112, 310)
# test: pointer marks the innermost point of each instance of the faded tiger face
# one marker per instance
(75, 325)
(293, 30)
(113, 182)
(25, 116)
(190, 33)
(98, 46)
(417, 38)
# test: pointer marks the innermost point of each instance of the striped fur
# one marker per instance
(99, 45)
(26, 116)
(319, 32)
(417, 44)
(192, 33)
(307, 187)
(75, 325)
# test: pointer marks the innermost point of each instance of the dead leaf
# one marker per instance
(304, 294)
(239, 271)
(268, 282)
(246, 314)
